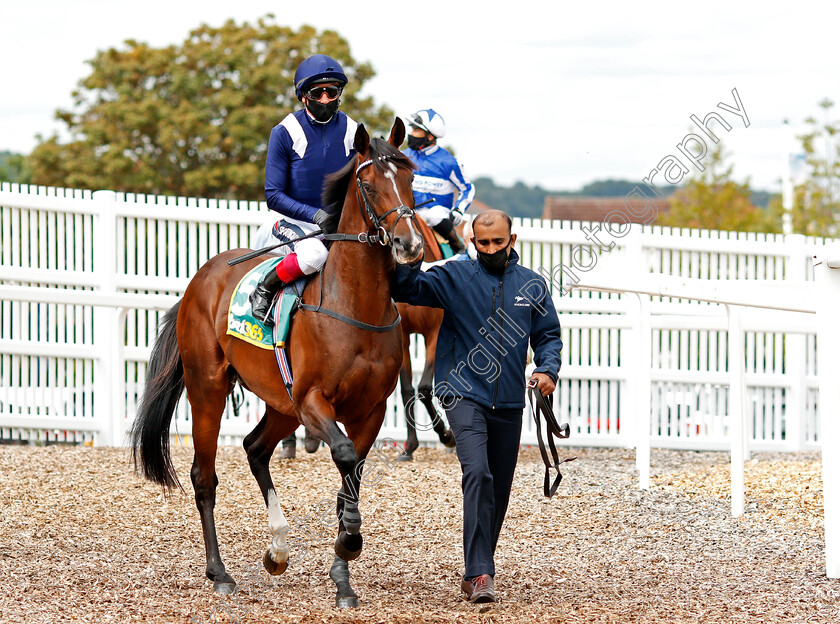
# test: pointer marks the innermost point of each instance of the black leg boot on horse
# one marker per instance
(446, 229)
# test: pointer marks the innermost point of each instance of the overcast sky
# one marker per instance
(550, 93)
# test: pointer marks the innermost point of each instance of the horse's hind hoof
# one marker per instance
(348, 547)
(225, 588)
(347, 602)
(271, 566)
(405, 458)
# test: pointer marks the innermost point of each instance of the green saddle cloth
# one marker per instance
(241, 321)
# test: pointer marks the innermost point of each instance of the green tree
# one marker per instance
(615, 188)
(192, 119)
(519, 200)
(713, 200)
(12, 168)
(816, 202)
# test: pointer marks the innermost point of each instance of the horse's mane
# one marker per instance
(336, 184)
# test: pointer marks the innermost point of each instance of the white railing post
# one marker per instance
(643, 383)
(737, 426)
(827, 275)
(108, 375)
(629, 349)
(795, 350)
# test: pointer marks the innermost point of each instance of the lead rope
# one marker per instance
(541, 408)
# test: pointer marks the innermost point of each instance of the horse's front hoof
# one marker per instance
(448, 439)
(348, 547)
(225, 588)
(405, 458)
(347, 602)
(271, 566)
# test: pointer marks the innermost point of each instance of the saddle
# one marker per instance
(243, 325)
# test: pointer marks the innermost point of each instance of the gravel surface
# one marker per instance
(82, 539)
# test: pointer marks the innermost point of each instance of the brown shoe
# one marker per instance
(479, 589)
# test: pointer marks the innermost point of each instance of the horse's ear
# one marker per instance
(362, 141)
(397, 133)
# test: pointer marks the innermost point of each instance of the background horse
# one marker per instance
(345, 358)
(424, 321)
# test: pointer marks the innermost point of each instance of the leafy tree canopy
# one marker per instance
(816, 201)
(713, 200)
(615, 188)
(192, 119)
(519, 200)
(12, 168)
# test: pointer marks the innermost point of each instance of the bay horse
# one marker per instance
(424, 321)
(344, 347)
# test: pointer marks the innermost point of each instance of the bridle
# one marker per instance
(380, 234)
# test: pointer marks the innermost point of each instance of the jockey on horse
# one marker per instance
(303, 149)
(438, 177)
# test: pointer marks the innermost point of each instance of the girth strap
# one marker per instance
(350, 321)
(541, 408)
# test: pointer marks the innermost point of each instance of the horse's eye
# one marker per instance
(368, 188)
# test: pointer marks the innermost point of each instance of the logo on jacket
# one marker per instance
(521, 301)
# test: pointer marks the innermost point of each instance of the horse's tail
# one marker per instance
(164, 385)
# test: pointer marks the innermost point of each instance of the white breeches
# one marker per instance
(311, 253)
(433, 214)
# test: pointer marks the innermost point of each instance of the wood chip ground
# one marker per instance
(82, 539)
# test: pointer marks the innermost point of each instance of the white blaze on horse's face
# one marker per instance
(405, 251)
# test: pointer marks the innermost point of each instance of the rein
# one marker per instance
(541, 409)
(379, 235)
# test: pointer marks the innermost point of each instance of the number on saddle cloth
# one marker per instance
(241, 322)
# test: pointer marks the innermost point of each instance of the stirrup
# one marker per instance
(267, 302)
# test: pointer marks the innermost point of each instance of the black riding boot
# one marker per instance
(263, 294)
(447, 230)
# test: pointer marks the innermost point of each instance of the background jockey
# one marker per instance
(438, 177)
(303, 149)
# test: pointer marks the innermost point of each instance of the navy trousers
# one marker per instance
(488, 446)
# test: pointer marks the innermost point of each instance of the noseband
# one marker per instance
(380, 234)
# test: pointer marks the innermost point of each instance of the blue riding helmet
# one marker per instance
(317, 68)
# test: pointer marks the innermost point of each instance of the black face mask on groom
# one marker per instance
(494, 262)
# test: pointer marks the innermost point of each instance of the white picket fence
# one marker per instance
(84, 278)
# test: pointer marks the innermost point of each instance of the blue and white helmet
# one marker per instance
(429, 120)
(318, 68)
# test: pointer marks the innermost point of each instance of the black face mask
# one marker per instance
(494, 262)
(322, 112)
(418, 143)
